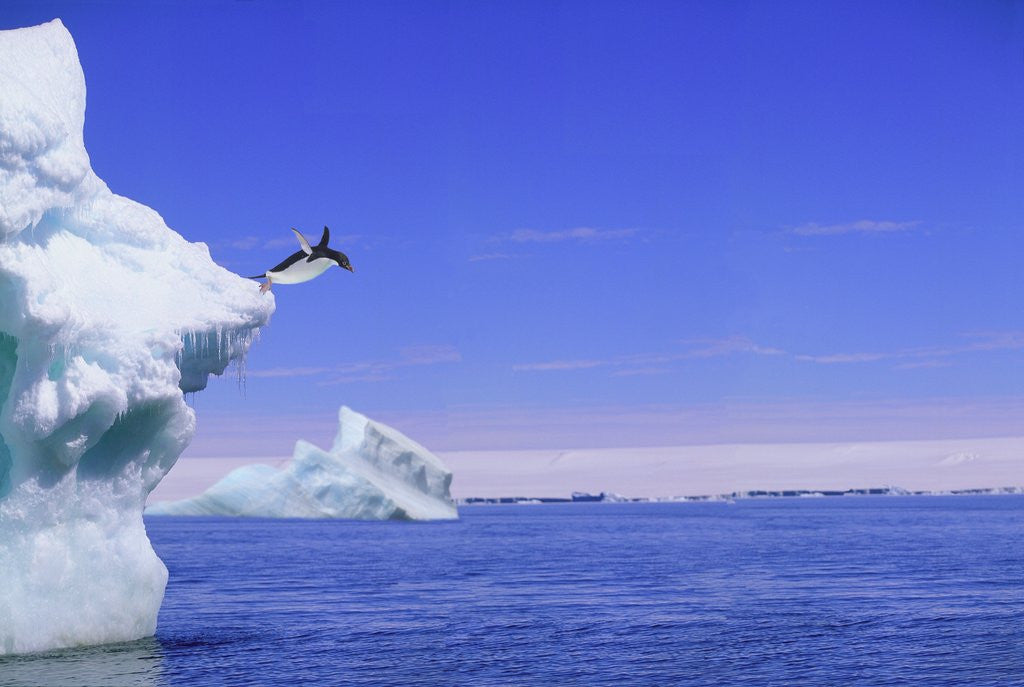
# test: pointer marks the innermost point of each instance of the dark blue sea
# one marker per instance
(835, 591)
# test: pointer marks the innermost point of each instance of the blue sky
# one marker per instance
(589, 223)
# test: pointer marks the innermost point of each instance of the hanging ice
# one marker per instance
(372, 472)
(106, 316)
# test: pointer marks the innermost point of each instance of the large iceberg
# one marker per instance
(106, 317)
(372, 472)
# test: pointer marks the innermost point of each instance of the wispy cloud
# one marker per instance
(359, 378)
(580, 234)
(252, 242)
(280, 243)
(641, 371)
(368, 370)
(429, 355)
(864, 226)
(730, 421)
(994, 341)
(928, 356)
(840, 358)
(563, 365)
(905, 358)
(712, 348)
(288, 372)
(920, 364)
(245, 243)
(491, 256)
(652, 363)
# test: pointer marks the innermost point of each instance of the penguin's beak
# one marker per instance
(350, 268)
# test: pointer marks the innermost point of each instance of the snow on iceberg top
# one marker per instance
(89, 267)
(43, 163)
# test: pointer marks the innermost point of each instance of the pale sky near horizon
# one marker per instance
(588, 223)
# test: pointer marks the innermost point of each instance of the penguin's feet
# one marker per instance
(265, 287)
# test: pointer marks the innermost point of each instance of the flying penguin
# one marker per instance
(305, 264)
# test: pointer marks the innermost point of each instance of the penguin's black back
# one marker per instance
(284, 264)
(289, 261)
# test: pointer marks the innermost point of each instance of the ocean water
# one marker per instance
(835, 591)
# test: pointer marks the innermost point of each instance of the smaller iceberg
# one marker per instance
(372, 472)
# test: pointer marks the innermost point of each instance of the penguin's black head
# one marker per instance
(342, 261)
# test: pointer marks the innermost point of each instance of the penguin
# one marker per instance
(305, 264)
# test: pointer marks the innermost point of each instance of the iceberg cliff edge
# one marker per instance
(106, 317)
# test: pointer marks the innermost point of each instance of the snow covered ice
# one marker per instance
(106, 317)
(372, 472)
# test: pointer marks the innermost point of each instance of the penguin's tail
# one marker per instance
(258, 276)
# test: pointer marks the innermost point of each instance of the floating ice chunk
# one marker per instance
(372, 472)
(106, 316)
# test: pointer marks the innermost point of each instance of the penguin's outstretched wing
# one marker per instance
(325, 238)
(303, 242)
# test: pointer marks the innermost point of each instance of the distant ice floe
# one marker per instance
(959, 458)
(372, 472)
(106, 317)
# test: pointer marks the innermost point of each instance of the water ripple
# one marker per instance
(895, 591)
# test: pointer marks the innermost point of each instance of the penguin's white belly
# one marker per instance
(301, 271)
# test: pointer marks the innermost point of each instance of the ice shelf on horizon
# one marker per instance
(372, 472)
(611, 497)
(106, 317)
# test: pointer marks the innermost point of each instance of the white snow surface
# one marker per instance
(106, 317)
(372, 472)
